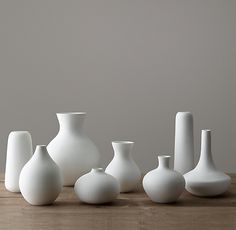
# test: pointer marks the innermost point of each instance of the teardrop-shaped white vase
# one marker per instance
(123, 167)
(184, 148)
(40, 179)
(205, 179)
(19, 151)
(162, 184)
(97, 187)
(71, 149)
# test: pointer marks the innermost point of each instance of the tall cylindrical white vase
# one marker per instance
(19, 151)
(184, 143)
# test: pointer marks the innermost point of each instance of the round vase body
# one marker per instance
(162, 184)
(71, 149)
(184, 147)
(40, 179)
(19, 151)
(97, 187)
(205, 179)
(123, 167)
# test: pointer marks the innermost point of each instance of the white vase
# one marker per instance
(123, 167)
(162, 184)
(205, 179)
(184, 147)
(71, 149)
(97, 187)
(40, 179)
(19, 151)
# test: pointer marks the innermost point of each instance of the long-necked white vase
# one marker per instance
(40, 179)
(123, 167)
(162, 184)
(97, 187)
(184, 143)
(19, 151)
(205, 179)
(71, 149)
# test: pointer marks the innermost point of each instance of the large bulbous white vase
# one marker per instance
(40, 179)
(97, 187)
(162, 184)
(123, 167)
(71, 149)
(184, 147)
(205, 179)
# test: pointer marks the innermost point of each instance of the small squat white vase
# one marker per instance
(19, 151)
(71, 149)
(97, 187)
(162, 184)
(123, 167)
(184, 147)
(205, 179)
(40, 179)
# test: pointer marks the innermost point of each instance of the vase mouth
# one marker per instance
(206, 130)
(97, 170)
(164, 156)
(123, 142)
(71, 113)
(185, 112)
(40, 145)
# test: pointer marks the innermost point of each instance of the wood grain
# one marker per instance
(130, 211)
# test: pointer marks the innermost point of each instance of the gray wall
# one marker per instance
(131, 64)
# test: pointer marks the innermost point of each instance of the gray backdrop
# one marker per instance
(131, 64)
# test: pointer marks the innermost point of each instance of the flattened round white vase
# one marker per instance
(97, 187)
(40, 179)
(123, 167)
(205, 179)
(71, 149)
(19, 151)
(163, 185)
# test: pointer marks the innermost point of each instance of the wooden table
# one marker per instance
(129, 211)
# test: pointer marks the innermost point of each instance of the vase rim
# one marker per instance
(97, 170)
(164, 156)
(206, 130)
(123, 142)
(72, 113)
(184, 112)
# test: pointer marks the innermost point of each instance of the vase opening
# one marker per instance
(123, 142)
(97, 170)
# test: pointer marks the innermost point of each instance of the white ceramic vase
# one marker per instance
(97, 187)
(71, 149)
(123, 167)
(19, 151)
(184, 144)
(40, 179)
(162, 184)
(205, 179)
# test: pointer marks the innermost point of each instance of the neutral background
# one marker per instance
(131, 64)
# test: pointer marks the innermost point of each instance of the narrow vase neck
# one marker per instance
(122, 149)
(71, 122)
(206, 159)
(41, 152)
(164, 162)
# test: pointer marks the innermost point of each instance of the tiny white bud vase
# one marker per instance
(205, 179)
(97, 187)
(19, 151)
(40, 179)
(123, 167)
(162, 184)
(184, 147)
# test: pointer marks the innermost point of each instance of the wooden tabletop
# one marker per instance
(130, 211)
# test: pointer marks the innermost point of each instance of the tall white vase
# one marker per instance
(19, 151)
(40, 179)
(71, 149)
(162, 184)
(184, 147)
(205, 179)
(123, 167)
